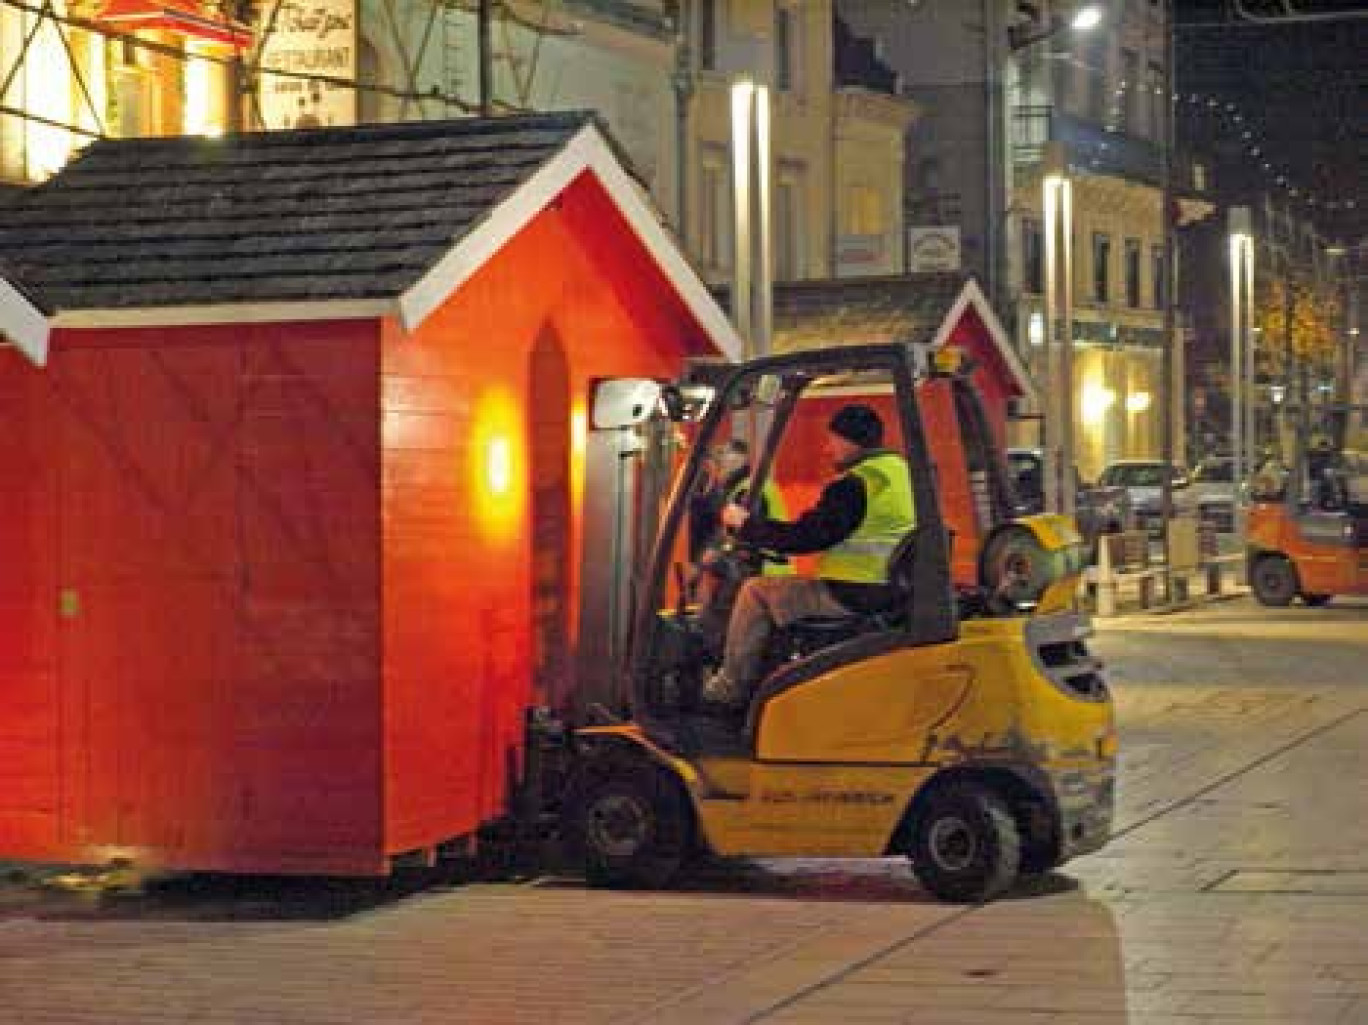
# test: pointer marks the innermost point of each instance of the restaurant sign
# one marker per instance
(310, 41)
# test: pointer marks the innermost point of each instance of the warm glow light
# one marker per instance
(1138, 402)
(1035, 328)
(1096, 400)
(497, 466)
(199, 95)
(47, 94)
(1087, 17)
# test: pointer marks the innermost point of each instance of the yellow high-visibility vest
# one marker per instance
(890, 512)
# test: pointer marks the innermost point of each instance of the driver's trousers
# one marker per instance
(764, 605)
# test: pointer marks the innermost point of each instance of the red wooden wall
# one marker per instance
(482, 476)
(189, 595)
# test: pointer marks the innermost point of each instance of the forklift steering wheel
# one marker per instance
(749, 558)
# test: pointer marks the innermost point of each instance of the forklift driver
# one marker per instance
(856, 525)
(714, 578)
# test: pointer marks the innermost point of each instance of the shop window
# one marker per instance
(1133, 273)
(785, 55)
(715, 245)
(1101, 267)
(1158, 275)
(707, 34)
(1032, 256)
(862, 212)
(788, 220)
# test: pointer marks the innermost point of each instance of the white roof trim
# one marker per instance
(972, 295)
(23, 325)
(227, 313)
(586, 151)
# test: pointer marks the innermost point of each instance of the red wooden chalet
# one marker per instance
(291, 525)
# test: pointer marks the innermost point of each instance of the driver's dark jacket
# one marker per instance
(838, 514)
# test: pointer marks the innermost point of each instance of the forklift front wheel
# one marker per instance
(1274, 581)
(633, 830)
(965, 844)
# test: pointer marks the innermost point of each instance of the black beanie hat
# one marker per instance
(859, 425)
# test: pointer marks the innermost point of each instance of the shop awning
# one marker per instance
(185, 17)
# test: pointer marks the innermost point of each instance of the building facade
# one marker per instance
(1000, 80)
(658, 72)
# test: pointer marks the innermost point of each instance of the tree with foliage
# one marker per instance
(1312, 343)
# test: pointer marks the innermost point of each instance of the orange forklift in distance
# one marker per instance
(1307, 535)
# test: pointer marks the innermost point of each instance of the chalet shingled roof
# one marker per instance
(855, 311)
(328, 214)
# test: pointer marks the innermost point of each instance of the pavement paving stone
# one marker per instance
(1232, 894)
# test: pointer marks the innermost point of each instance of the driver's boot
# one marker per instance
(722, 692)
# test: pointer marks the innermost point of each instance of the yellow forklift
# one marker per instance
(970, 732)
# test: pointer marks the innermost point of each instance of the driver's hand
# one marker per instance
(735, 516)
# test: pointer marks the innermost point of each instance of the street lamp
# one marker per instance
(1057, 208)
(1087, 17)
(1022, 35)
(1241, 351)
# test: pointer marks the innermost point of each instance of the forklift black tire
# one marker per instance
(965, 847)
(1274, 580)
(1317, 601)
(632, 829)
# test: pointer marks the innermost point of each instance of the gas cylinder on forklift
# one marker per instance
(970, 732)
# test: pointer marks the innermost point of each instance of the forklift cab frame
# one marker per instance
(658, 647)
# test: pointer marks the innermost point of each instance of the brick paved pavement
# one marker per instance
(1236, 891)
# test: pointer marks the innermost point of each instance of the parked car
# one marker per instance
(1097, 510)
(1143, 480)
(1213, 492)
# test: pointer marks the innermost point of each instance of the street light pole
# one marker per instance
(1057, 207)
(1166, 443)
(1241, 315)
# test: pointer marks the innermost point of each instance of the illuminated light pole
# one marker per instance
(753, 257)
(1241, 355)
(1057, 208)
(742, 106)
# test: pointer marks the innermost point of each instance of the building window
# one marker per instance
(1133, 273)
(1130, 91)
(788, 220)
(1158, 275)
(715, 245)
(1101, 253)
(1032, 257)
(1154, 88)
(863, 213)
(784, 33)
(707, 34)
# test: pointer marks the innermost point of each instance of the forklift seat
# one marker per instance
(820, 631)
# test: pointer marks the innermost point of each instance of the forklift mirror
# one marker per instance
(686, 403)
(623, 402)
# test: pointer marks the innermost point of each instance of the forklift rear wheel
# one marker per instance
(965, 844)
(1317, 600)
(1275, 581)
(633, 830)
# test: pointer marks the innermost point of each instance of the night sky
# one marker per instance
(1300, 91)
